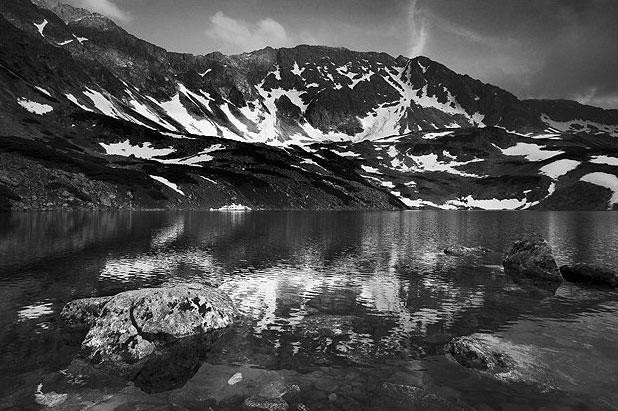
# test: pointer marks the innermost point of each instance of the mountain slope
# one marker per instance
(341, 128)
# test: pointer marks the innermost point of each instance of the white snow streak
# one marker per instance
(34, 107)
(168, 183)
(41, 26)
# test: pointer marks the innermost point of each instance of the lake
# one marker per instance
(336, 302)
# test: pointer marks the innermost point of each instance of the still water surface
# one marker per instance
(356, 298)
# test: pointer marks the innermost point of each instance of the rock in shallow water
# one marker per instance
(404, 397)
(532, 259)
(590, 274)
(473, 352)
(462, 251)
(129, 326)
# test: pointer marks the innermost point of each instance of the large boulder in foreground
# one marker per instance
(532, 259)
(589, 274)
(129, 326)
(84, 312)
(475, 352)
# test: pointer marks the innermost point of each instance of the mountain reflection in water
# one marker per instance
(317, 288)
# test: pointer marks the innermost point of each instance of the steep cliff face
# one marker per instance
(341, 128)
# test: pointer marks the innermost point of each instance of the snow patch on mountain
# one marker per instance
(488, 204)
(416, 203)
(296, 70)
(382, 122)
(559, 168)
(102, 104)
(369, 169)
(604, 180)
(42, 90)
(579, 125)
(232, 207)
(431, 136)
(242, 127)
(74, 100)
(148, 113)
(41, 26)
(167, 183)
(345, 153)
(34, 107)
(428, 162)
(610, 161)
(177, 111)
(532, 152)
(80, 39)
(144, 150)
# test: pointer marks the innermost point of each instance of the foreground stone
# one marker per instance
(462, 251)
(532, 259)
(589, 274)
(129, 326)
(474, 352)
(84, 312)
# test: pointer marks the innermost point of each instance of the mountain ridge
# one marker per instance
(362, 129)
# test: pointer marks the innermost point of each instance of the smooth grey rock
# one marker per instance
(130, 325)
(462, 251)
(473, 352)
(590, 274)
(83, 312)
(532, 259)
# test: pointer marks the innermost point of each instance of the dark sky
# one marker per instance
(533, 48)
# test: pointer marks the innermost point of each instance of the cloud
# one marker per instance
(104, 7)
(239, 36)
(419, 29)
(596, 98)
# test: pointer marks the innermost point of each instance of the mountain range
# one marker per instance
(94, 117)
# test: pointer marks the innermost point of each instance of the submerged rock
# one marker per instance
(474, 352)
(405, 397)
(590, 274)
(271, 396)
(50, 399)
(462, 251)
(262, 403)
(130, 325)
(532, 259)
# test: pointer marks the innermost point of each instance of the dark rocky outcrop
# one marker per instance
(462, 251)
(131, 325)
(589, 274)
(474, 352)
(531, 260)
